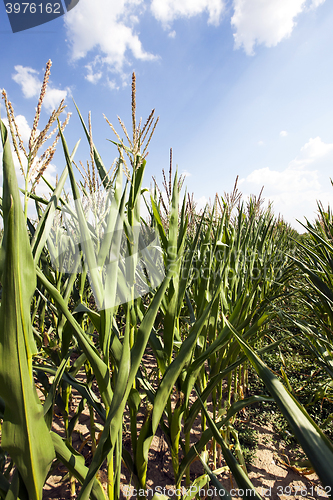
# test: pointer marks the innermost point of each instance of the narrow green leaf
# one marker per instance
(207, 435)
(24, 432)
(85, 235)
(50, 399)
(240, 476)
(98, 160)
(174, 369)
(46, 221)
(81, 387)
(316, 445)
(114, 418)
(75, 464)
(100, 368)
(213, 479)
(4, 485)
(194, 488)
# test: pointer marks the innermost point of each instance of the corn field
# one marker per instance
(93, 281)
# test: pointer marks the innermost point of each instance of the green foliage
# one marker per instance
(24, 432)
(248, 439)
(243, 315)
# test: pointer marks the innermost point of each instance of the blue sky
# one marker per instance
(242, 87)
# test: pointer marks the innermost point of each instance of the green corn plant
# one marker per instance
(31, 413)
(54, 293)
(172, 356)
(315, 444)
(138, 464)
(168, 344)
(314, 288)
(24, 432)
(224, 276)
(122, 383)
(241, 298)
(241, 477)
(39, 235)
(33, 164)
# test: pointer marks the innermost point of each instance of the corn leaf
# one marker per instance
(98, 160)
(24, 433)
(75, 464)
(240, 476)
(316, 445)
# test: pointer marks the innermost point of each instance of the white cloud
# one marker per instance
(112, 84)
(186, 173)
(167, 11)
(23, 127)
(283, 133)
(316, 3)
(108, 26)
(53, 97)
(287, 181)
(30, 84)
(261, 143)
(312, 151)
(265, 22)
(107, 31)
(93, 77)
(295, 189)
(27, 78)
(201, 203)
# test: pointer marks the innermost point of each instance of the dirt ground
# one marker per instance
(269, 471)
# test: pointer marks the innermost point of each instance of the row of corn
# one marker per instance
(92, 285)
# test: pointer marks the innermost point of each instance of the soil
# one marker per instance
(270, 470)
